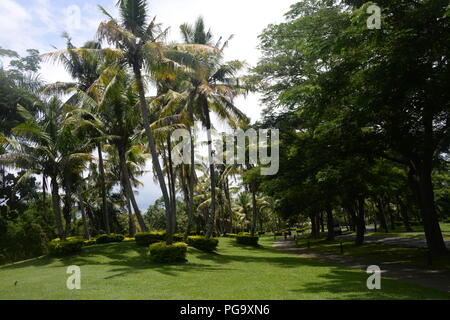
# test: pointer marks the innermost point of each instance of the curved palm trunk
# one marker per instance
(56, 202)
(152, 148)
(103, 188)
(129, 190)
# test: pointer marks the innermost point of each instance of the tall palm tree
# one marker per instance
(212, 86)
(138, 43)
(112, 102)
(85, 70)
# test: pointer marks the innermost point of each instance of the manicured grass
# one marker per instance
(121, 271)
(376, 252)
(400, 232)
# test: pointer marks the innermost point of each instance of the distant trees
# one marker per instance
(359, 96)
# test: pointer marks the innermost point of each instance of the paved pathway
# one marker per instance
(394, 241)
(437, 279)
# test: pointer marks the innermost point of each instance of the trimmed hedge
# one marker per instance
(88, 243)
(202, 243)
(109, 238)
(247, 240)
(160, 252)
(148, 238)
(62, 248)
(230, 235)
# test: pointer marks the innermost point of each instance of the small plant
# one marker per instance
(202, 243)
(161, 252)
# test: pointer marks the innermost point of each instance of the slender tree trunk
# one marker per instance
(101, 168)
(330, 224)
(87, 234)
(152, 148)
(56, 201)
(361, 223)
(255, 212)
(131, 224)
(172, 185)
(129, 189)
(212, 215)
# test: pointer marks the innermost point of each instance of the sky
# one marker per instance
(39, 24)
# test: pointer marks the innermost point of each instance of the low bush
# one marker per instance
(178, 237)
(261, 233)
(63, 248)
(109, 238)
(148, 238)
(202, 243)
(230, 235)
(278, 233)
(161, 252)
(247, 240)
(88, 243)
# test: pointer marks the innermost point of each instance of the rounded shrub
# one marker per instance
(247, 240)
(161, 252)
(202, 243)
(230, 235)
(148, 238)
(62, 248)
(109, 238)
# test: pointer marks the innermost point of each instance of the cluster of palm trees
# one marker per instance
(96, 133)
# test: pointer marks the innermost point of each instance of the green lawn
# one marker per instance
(376, 252)
(418, 230)
(120, 271)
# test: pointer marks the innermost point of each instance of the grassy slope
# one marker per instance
(120, 271)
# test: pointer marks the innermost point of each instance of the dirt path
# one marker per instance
(437, 279)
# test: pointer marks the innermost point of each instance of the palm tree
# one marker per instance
(85, 70)
(43, 145)
(138, 44)
(112, 102)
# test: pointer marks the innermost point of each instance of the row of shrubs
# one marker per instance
(72, 245)
(161, 252)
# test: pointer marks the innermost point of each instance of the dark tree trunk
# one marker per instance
(212, 216)
(381, 216)
(361, 224)
(101, 168)
(330, 224)
(403, 209)
(432, 229)
(322, 222)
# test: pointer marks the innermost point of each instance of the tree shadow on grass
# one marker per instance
(351, 285)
